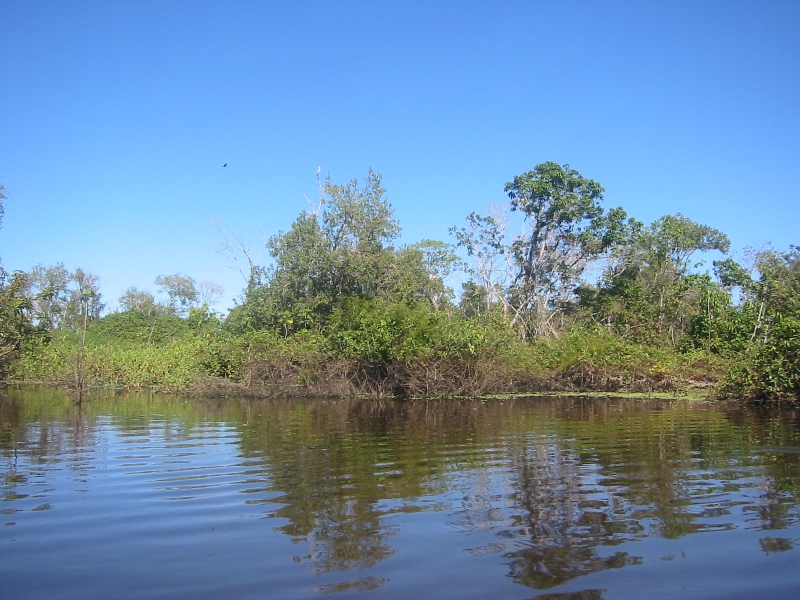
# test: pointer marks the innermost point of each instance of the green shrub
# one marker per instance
(770, 369)
(134, 327)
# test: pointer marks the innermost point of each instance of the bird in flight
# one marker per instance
(225, 165)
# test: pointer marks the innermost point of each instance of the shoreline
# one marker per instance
(224, 389)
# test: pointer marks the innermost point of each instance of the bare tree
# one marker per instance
(209, 293)
(237, 251)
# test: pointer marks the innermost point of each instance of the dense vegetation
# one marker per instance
(342, 310)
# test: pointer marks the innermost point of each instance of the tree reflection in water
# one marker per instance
(576, 477)
(559, 520)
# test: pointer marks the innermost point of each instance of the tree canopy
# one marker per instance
(342, 249)
(533, 274)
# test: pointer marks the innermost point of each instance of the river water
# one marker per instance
(556, 498)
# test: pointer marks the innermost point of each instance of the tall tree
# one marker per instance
(49, 294)
(532, 274)
(770, 368)
(16, 316)
(209, 293)
(85, 299)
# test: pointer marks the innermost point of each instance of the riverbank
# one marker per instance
(584, 361)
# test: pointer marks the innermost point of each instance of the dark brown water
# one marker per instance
(153, 497)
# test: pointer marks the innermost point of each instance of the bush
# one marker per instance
(368, 348)
(770, 370)
(172, 366)
(134, 327)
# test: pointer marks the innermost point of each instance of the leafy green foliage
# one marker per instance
(772, 368)
(379, 332)
(141, 301)
(135, 327)
(719, 326)
(181, 291)
(649, 290)
(769, 368)
(16, 325)
(341, 250)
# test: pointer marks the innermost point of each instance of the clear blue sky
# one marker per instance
(116, 118)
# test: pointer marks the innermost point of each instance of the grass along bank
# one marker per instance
(401, 354)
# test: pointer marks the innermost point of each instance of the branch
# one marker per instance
(232, 247)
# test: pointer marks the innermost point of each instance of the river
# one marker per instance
(146, 496)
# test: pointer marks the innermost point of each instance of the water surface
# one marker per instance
(157, 497)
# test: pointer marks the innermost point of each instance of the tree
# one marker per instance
(340, 249)
(16, 315)
(534, 273)
(649, 287)
(494, 263)
(673, 240)
(474, 300)
(238, 252)
(209, 293)
(181, 291)
(63, 300)
(770, 368)
(419, 271)
(49, 294)
(16, 323)
(141, 301)
(84, 301)
(357, 228)
(731, 275)
(778, 285)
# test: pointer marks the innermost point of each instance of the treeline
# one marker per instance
(342, 309)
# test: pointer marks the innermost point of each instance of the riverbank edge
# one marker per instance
(222, 388)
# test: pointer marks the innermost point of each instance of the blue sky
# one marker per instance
(116, 118)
